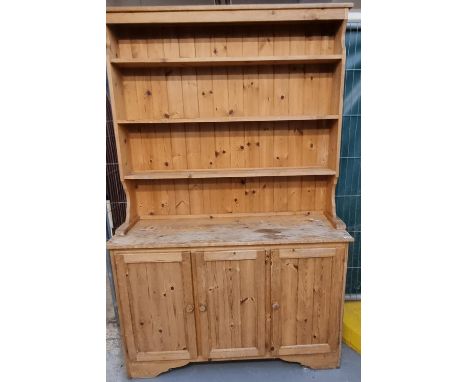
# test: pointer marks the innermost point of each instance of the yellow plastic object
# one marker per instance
(352, 325)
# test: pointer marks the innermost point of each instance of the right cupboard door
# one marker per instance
(306, 299)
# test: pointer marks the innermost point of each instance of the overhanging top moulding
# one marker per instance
(182, 8)
(227, 14)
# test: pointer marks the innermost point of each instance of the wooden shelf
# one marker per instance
(231, 173)
(231, 119)
(225, 61)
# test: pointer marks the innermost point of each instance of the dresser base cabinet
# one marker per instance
(200, 305)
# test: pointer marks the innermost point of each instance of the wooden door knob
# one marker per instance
(189, 308)
(202, 307)
(275, 306)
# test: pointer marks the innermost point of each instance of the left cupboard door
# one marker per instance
(156, 302)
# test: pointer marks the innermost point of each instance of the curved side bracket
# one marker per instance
(330, 211)
(131, 217)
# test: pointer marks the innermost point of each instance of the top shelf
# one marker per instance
(225, 61)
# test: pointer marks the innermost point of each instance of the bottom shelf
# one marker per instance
(192, 232)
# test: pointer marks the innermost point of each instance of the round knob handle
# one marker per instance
(202, 307)
(189, 308)
(275, 306)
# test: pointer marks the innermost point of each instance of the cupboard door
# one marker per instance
(156, 302)
(306, 299)
(231, 303)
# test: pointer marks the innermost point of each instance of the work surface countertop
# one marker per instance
(230, 231)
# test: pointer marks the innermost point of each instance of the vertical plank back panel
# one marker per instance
(227, 195)
(191, 92)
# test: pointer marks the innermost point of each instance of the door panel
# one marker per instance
(156, 297)
(231, 299)
(306, 298)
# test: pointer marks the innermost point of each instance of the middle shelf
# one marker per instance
(230, 173)
(264, 118)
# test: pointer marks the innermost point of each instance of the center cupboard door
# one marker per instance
(156, 302)
(306, 299)
(231, 303)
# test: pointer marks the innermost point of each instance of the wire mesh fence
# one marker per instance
(348, 192)
(114, 190)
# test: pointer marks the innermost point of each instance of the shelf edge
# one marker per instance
(229, 119)
(230, 173)
(226, 61)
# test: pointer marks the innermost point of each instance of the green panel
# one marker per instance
(348, 191)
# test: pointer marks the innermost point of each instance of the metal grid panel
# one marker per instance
(114, 190)
(348, 191)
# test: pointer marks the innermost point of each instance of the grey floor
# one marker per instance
(244, 371)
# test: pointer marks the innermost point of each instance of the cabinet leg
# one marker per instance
(316, 361)
(152, 369)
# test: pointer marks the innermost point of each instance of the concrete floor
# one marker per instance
(235, 371)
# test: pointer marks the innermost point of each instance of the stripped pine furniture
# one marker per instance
(228, 124)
